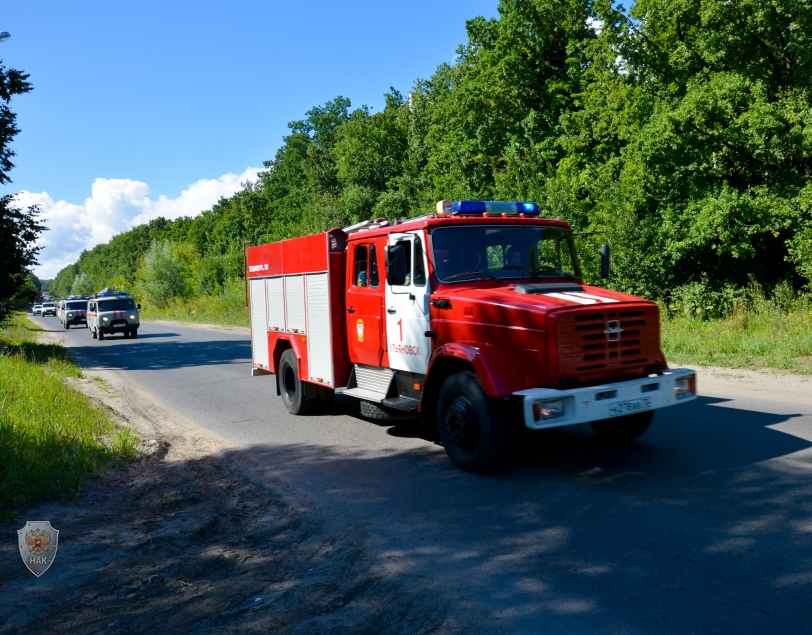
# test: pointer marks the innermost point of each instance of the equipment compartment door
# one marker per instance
(259, 325)
(407, 309)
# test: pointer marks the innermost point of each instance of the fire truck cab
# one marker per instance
(473, 318)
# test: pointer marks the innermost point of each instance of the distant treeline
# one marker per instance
(681, 130)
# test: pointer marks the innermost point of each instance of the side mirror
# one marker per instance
(396, 265)
(138, 306)
(605, 251)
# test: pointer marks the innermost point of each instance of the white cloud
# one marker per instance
(115, 206)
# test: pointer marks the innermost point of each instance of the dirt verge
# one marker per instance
(187, 540)
(771, 385)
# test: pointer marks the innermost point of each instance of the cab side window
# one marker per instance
(360, 277)
(374, 280)
(419, 266)
(407, 252)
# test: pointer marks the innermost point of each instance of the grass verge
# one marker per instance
(226, 308)
(51, 436)
(765, 337)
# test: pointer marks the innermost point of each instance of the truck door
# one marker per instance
(364, 302)
(407, 309)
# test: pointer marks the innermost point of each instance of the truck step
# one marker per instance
(374, 378)
(401, 403)
(368, 395)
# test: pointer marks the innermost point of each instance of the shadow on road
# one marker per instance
(142, 354)
(702, 526)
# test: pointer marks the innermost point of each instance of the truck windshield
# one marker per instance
(116, 305)
(74, 306)
(486, 251)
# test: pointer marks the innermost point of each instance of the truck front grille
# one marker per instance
(589, 342)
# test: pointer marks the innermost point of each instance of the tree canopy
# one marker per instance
(681, 131)
(19, 229)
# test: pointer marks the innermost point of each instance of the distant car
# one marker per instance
(37, 309)
(48, 307)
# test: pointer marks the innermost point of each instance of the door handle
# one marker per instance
(391, 309)
(351, 309)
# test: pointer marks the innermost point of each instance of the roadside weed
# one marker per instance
(51, 436)
(767, 335)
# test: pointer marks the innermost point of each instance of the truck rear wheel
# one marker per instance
(92, 332)
(290, 387)
(626, 428)
(472, 426)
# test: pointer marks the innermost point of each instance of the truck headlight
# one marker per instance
(132, 317)
(104, 319)
(70, 316)
(685, 386)
(544, 410)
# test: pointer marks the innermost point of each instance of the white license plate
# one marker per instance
(629, 407)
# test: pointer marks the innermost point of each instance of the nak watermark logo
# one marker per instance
(38, 542)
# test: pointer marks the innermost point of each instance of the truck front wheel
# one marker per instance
(472, 426)
(626, 428)
(290, 386)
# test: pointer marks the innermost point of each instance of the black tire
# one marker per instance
(471, 425)
(92, 333)
(134, 333)
(382, 413)
(99, 334)
(290, 387)
(126, 334)
(626, 428)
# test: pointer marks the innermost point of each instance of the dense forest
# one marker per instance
(681, 131)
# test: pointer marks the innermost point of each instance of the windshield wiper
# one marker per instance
(471, 273)
(519, 267)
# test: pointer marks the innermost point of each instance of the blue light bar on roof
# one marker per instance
(496, 208)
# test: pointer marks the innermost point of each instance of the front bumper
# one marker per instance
(118, 326)
(582, 405)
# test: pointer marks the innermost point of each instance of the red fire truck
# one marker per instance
(472, 317)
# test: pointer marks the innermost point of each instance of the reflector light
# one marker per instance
(495, 208)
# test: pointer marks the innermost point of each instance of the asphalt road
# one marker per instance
(702, 526)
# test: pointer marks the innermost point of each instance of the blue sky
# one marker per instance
(156, 107)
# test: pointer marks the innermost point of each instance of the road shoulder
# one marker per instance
(769, 385)
(189, 539)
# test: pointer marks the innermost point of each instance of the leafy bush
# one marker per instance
(82, 285)
(161, 277)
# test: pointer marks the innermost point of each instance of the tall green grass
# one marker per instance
(754, 331)
(51, 436)
(226, 307)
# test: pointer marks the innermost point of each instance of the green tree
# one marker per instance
(82, 285)
(19, 230)
(161, 275)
